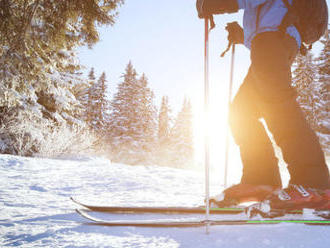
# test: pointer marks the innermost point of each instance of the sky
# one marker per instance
(165, 40)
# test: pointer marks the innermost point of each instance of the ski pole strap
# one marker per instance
(212, 23)
(230, 43)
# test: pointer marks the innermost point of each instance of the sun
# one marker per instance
(215, 125)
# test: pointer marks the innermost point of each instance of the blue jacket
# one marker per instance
(270, 17)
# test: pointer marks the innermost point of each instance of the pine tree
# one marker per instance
(41, 29)
(182, 137)
(38, 41)
(91, 75)
(102, 105)
(39, 72)
(90, 101)
(323, 62)
(149, 115)
(164, 128)
(98, 105)
(305, 84)
(132, 120)
(164, 122)
(311, 95)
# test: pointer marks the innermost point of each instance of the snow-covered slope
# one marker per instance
(35, 210)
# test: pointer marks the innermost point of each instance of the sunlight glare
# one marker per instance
(216, 127)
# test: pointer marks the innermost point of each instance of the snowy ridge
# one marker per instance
(36, 211)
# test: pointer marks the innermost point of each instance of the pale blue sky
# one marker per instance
(165, 40)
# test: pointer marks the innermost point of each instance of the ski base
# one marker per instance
(191, 223)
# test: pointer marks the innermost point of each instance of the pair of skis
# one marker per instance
(182, 222)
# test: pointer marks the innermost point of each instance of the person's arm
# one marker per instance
(209, 7)
(213, 7)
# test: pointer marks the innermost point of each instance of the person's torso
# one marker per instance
(270, 12)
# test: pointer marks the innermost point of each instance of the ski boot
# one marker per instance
(240, 193)
(289, 200)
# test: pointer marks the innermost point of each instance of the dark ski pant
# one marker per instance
(266, 93)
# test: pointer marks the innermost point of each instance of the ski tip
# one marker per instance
(74, 200)
(80, 211)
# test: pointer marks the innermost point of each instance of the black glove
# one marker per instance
(206, 8)
(235, 33)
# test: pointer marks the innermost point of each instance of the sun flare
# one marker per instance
(215, 125)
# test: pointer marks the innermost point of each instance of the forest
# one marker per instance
(48, 108)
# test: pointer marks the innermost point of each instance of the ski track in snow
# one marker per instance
(35, 209)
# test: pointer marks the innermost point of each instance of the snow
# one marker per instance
(36, 211)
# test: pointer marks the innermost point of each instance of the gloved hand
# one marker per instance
(206, 8)
(235, 33)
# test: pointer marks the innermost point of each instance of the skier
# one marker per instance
(266, 93)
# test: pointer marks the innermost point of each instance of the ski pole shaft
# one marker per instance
(229, 101)
(206, 110)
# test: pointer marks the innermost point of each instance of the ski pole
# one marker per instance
(229, 101)
(206, 111)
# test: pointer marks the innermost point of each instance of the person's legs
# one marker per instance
(258, 158)
(272, 56)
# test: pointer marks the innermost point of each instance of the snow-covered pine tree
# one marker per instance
(306, 86)
(97, 103)
(90, 99)
(182, 154)
(38, 41)
(38, 64)
(132, 120)
(164, 122)
(91, 75)
(309, 89)
(323, 62)
(148, 120)
(164, 128)
(101, 106)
